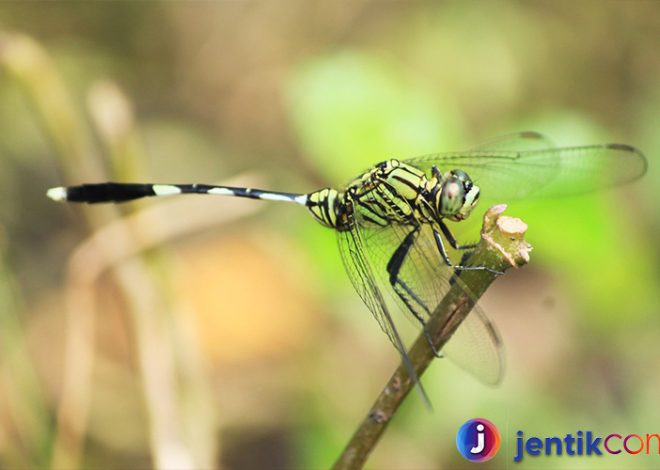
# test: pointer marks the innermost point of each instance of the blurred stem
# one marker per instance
(29, 65)
(183, 431)
(151, 313)
(110, 247)
(501, 247)
(25, 438)
(112, 114)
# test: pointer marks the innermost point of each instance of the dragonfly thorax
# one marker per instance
(396, 192)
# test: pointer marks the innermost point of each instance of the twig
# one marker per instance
(502, 246)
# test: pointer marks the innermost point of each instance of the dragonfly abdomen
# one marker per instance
(325, 205)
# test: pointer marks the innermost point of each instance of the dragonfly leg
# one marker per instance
(400, 284)
(452, 240)
(401, 288)
(458, 267)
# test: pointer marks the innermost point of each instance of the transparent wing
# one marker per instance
(504, 174)
(362, 277)
(476, 346)
(518, 141)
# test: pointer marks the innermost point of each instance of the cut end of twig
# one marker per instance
(506, 235)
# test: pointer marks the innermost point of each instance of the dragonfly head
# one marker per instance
(457, 196)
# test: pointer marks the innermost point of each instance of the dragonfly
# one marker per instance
(393, 224)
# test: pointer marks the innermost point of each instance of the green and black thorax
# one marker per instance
(394, 192)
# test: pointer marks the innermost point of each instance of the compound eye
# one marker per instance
(452, 197)
(460, 175)
(452, 190)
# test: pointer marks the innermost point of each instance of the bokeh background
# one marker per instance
(208, 332)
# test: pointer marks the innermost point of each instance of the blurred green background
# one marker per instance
(210, 332)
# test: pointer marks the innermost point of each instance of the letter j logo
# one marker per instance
(478, 440)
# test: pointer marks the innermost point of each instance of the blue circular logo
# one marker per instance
(478, 440)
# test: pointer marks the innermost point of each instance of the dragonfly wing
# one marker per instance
(476, 346)
(361, 274)
(505, 175)
(518, 141)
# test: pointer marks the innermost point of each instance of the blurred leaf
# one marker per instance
(351, 111)
(596, 254)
